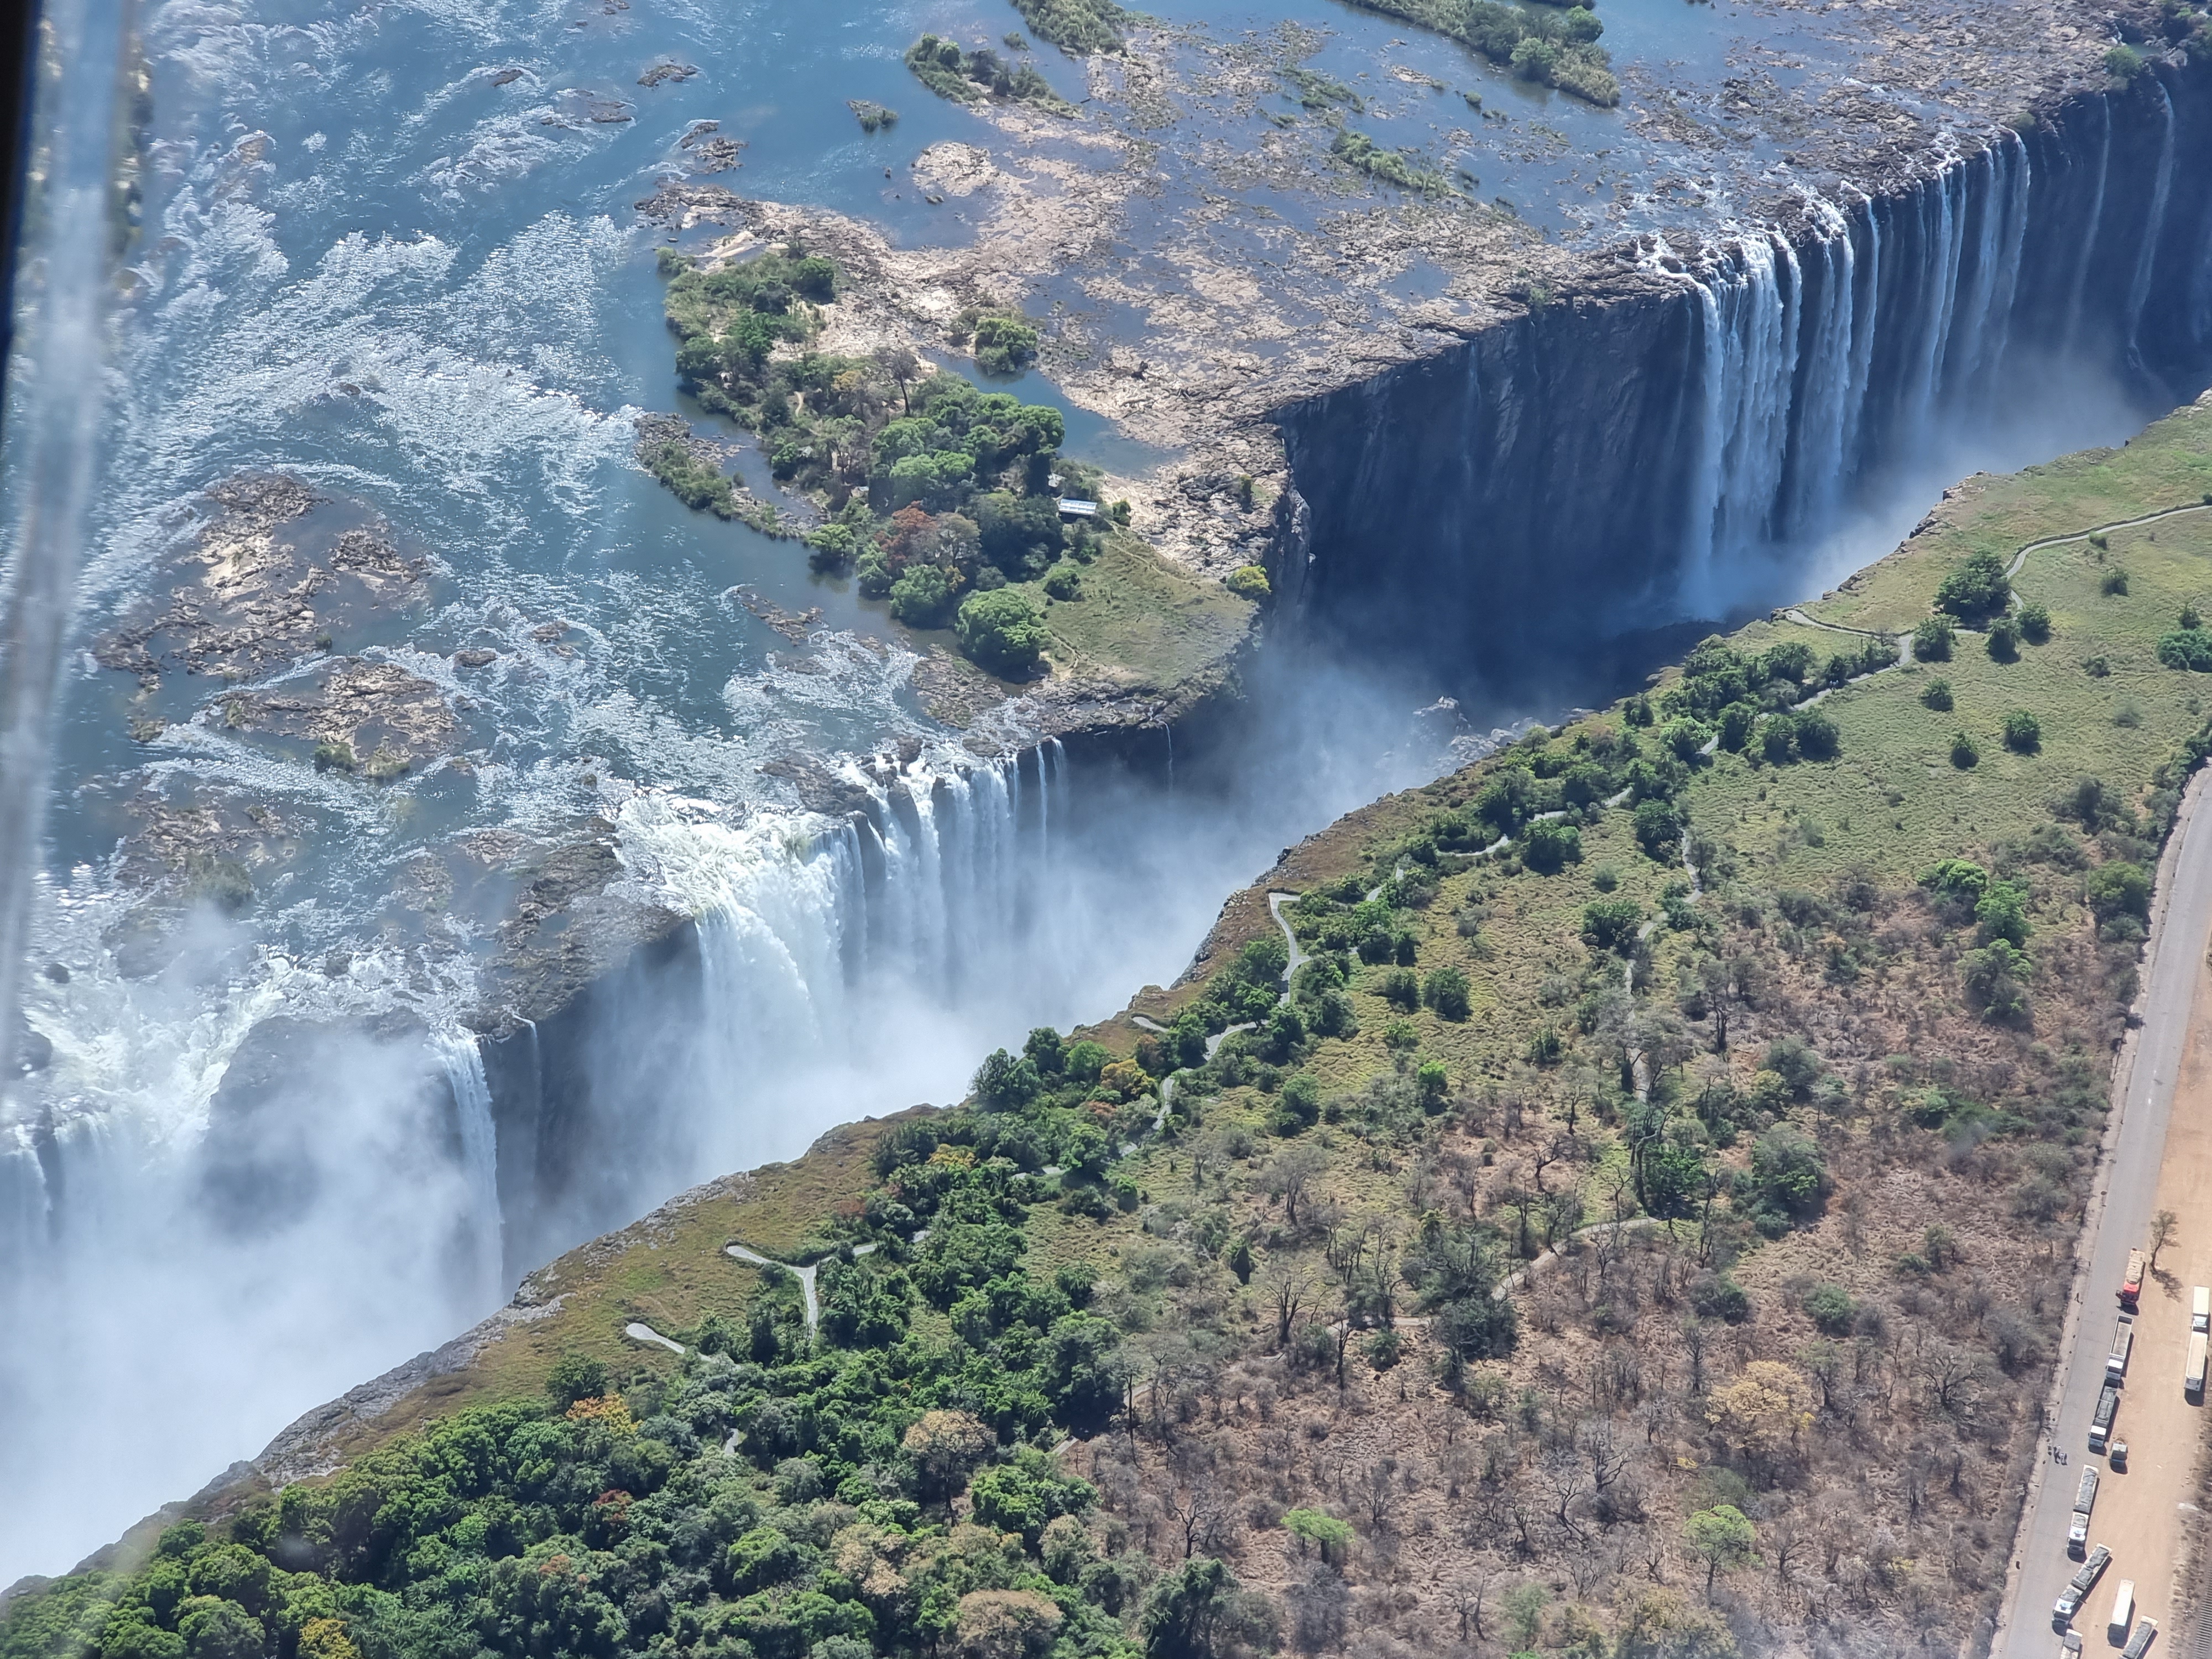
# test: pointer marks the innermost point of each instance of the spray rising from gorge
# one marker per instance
(217, 1136)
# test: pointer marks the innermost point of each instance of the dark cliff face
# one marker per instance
(1601, 466)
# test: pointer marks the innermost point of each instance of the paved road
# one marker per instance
(2126, 1190)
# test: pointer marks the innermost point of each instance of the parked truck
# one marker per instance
(2192, 1370)
(2115, 1357)
(2123, 1612)
(2079, 1586)
(2085, 1500)
(2139, 1644)
(2131, 1286)
(2200, 1309)
(2100, 1424)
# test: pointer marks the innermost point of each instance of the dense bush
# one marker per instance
(1004, 631)
(2023, 732)
(1976, 590)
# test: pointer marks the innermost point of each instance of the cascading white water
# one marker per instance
(811, 926)
(464, 1074)
(1801, 392)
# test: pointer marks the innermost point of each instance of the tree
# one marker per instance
(1762, 1410)
(1658, 828)
(1200, 1612)
(575, 1376)
(1723, 1536)
(1004, 342)
(2162, 1228)
(995, 1624)
(1937, 696)
(1551, 845)
(1289, 1173)
(1965, 753)
(1003, 630)
(1976, 589)
(922, 598)
(1446, 992)
(1931, 640)
(1609, 924)
(2023, 732)
(1004, 1084)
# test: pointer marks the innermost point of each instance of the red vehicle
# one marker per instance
(2131, 1286)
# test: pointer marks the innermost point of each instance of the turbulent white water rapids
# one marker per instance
(276, 1159)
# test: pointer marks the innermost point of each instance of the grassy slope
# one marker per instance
(1466, 1489)
(1141, 620)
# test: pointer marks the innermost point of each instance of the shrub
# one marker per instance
(1004, 1084)
(1994, 978)
(1931, 640)
(1658, 828)
(1831, 1308)
(1400, 988)
(2187, 648)
(2117, 888)
(1004, 631)
(1551, 845)
(1063, 582)
(1249, 581)
(1610, 924)
(575, 1376)
(2004, 640)
(1817, 736)
(2115, 585)
(1446, 991)
(1963, 753)
(1777, 740)
(1004, 343)
(1937, 696)
(2123, 62)
(922, 598)
(2035, 623)
(1976, 589)
(2023, 732)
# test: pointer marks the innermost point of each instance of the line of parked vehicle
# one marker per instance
(2123, 1627)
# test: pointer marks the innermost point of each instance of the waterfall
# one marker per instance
(810, 927)
(464, 1066)
(2139, 289)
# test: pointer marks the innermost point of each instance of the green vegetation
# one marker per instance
(1076, 26)
(1319, 92)
(1004, 342)
(1004, 631)
(871, 116)
(1357, 150)
(1561, 51)
(1552, 1220)
(935, 496)
(1249, 581)
(969, 77)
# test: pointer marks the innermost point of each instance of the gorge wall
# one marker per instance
(1646, 451)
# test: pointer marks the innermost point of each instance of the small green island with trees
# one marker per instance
(940, 499)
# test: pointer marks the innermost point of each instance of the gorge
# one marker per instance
(1667, 440)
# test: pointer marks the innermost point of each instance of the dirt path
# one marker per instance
(2143, 1168)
